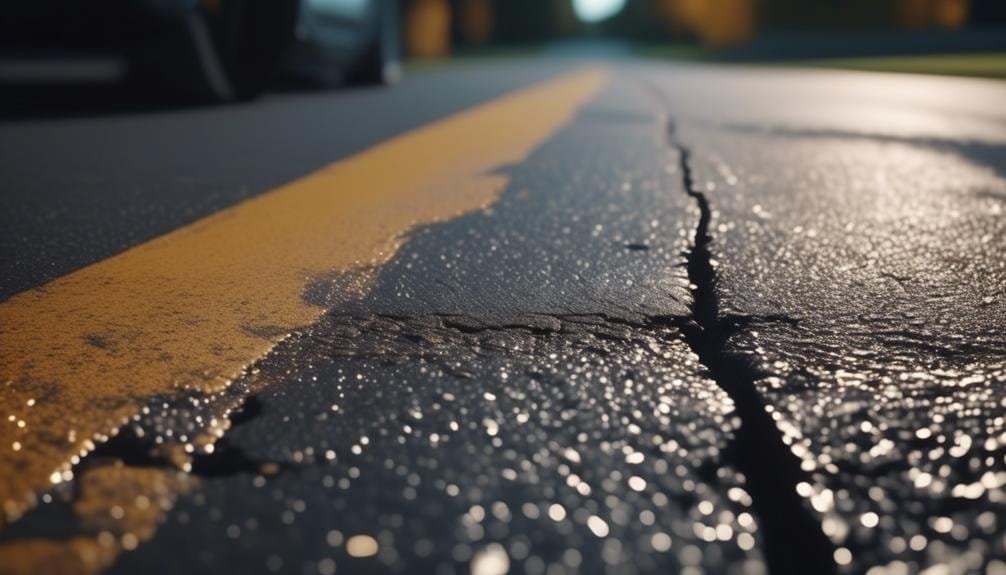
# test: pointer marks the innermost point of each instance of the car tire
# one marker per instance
(246, 42)
(380, 63)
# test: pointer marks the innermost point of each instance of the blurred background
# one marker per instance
(225, 50)
(965, 36)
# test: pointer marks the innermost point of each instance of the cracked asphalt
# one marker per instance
(724, 320)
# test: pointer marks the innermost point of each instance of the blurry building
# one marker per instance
(476, 21)
(720, 23)
(427, 28)
(527, 21)
(715, 23)
(921, 14)
(436, 28)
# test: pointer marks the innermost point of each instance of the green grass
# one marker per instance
(685, 52)
(977, 65)
(982, 65)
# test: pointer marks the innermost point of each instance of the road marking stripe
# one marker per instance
(82, 354)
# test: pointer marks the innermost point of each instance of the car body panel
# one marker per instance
(329, 40)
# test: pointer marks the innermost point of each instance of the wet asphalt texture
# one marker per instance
(728, 320)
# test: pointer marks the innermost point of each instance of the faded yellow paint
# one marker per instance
(117, 508)
(189, 310)
(80, 555)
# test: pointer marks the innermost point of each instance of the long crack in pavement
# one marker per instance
(883, 242)
(645, 437)
(587, 438)
(794, 540)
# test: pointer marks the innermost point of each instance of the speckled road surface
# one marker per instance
(724, 320)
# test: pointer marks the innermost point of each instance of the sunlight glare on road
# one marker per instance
(597, 10)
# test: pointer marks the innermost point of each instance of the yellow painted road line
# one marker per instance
(188, 310)
(115, 508)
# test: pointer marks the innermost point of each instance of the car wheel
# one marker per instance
(381, 62)
(224, 50)
(241, 43)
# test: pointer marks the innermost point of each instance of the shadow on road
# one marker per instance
(41, 101)
(25, 102)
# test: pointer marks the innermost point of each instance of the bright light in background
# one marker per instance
(596, 10)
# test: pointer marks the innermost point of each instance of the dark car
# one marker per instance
(209, 50)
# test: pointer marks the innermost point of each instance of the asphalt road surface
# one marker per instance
(527, 316)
